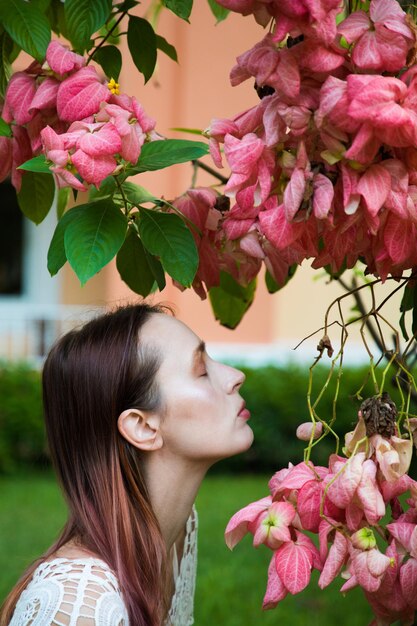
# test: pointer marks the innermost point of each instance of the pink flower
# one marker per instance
(80, 95)
(131, 122)
(269, 65)
(306, 189)
(46, 94)
(382, 39)
(258, 7)
(251, 164)
(198, 206)
(93, 169)
(272, 526)
(6, 156)
(275, 590)
(57, 151)
(238, 525)
(335, 560)
(393, 456)
(216, 132)
(61, 60)
(20, 93)
(306, 430)
(385, 107)
(294, 561)
(388, 602)
(368, 567)
(21, 152)
(315, 18)
(294, 477)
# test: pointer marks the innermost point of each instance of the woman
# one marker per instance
(136, 412)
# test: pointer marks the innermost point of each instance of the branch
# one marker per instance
(397, 360)
(211, 171)
(112, 29)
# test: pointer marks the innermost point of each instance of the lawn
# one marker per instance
(230, 586)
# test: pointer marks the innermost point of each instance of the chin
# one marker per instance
(246, 441)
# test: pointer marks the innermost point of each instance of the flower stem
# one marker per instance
(103, 41)
(211, 171)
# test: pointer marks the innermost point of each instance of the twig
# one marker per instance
(211, 171)
(388, 354)
(112, 29)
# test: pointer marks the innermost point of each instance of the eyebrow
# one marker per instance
(200, 349)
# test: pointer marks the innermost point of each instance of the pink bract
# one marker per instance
(80, 95)
(61, 60)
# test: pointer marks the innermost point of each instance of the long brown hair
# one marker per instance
(90, 376)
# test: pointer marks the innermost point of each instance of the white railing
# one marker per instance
(28, 330)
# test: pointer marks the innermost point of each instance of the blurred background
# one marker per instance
(35, 309)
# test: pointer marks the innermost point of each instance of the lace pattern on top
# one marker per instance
(181, 612)
(85, 591)
(71, 592)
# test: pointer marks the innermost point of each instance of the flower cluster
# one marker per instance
(344, 504)
(324, 166)
(206, 209)
(65, 110)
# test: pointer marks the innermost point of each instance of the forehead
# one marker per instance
(171, 337)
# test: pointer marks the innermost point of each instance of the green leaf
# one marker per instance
(5, 129)
(56, 253)
(38, 164)
(163, 45)
(159, 154)
(42, 5)
(166, 236)
(93, 239)
(126, 5)
(157, 270)
(6, 48)
(407, 301)
(83, 18)
(107, 188)
(191, 131)
(36, 195)
(62, 201)
(403, 327)
(133, 267)
(137, 194)
(271, 283)
(230, 301)
(27, 26)
(414, 320)
(56, 17)
(182, 8)
(110, 59)
(141, 40)
(220, 13)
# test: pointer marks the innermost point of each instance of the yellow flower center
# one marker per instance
(113, 87)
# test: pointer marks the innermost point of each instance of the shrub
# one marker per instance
(22, 437)
(276, 397)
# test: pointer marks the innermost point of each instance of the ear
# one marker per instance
(140, 429)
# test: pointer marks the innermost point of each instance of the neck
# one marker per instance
(173, 486)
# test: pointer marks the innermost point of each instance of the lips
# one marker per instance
(244, 412)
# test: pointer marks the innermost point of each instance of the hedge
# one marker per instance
(276, 397)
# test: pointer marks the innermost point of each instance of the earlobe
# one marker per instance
(140, 429)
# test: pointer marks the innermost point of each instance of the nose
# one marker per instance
(235, 380)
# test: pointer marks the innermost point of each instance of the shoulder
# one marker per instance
(72, 592)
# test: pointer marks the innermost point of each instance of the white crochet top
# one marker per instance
(85, 591)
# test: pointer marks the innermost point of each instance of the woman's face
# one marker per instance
(204, 416)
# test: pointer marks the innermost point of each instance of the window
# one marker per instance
(11, 242)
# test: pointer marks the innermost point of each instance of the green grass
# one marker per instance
(230, 586)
